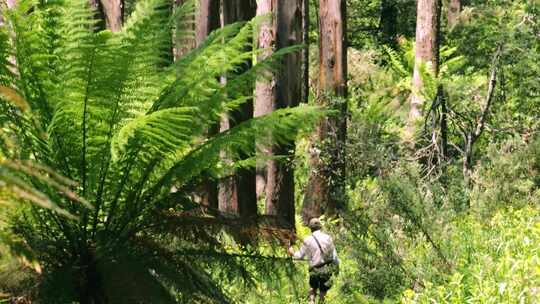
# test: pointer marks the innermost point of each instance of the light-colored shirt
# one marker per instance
(311, 252)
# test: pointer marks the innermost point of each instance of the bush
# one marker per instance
(508, 176)
(496, 261)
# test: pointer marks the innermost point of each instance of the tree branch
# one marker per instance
(489, 98)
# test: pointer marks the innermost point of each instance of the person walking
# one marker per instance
(320, 251)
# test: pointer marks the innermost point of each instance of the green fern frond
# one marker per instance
(396, 61)
(430, 82)
(161, 132)
(280, 126)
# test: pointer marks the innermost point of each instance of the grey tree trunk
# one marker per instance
(426, 53)
(282, 91)
(237, 194)
(325, 189)
(265, 91)
(113, 11)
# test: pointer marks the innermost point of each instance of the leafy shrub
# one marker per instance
(508, 176)
(496, 261)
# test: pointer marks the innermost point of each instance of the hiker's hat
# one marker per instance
(314, 224)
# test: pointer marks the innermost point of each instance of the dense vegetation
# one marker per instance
(130, 155)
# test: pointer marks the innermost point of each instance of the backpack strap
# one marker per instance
(320, 248)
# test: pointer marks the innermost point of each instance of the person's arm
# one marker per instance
(300, 254)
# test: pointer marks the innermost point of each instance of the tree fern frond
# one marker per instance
(278, 127)
(162, 131)
(10, 178)
(429, 81)
(5, 72)
(396, 61)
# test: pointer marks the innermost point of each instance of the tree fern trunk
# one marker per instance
(90, 289)
(325, 189)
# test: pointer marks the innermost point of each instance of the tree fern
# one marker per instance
(110, 112)
(402, 62)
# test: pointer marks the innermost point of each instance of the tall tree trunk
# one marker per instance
(207, 20)
(454, 8)
(237, 194)
(426, 52)
(305, 53)
(182, 37)
(114, 14)
(265, 90)
(325, 189)
(284, 90)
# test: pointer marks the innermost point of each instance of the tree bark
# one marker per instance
(426, 52)
(183, 40)
(207, 19)
(113, 11)
(282, 91)
(325, 191)
(265, 90)
(237, 194)
(305, 52)
(454, 8)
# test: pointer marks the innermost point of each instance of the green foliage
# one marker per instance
(496, 261)
(402, 63)
(111, 113)
(515, 25)
(508, 176)
(372, 23)
(405, 232)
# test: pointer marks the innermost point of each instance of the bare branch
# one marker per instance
(489, 98)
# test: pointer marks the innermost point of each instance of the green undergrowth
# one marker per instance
(496, 260)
